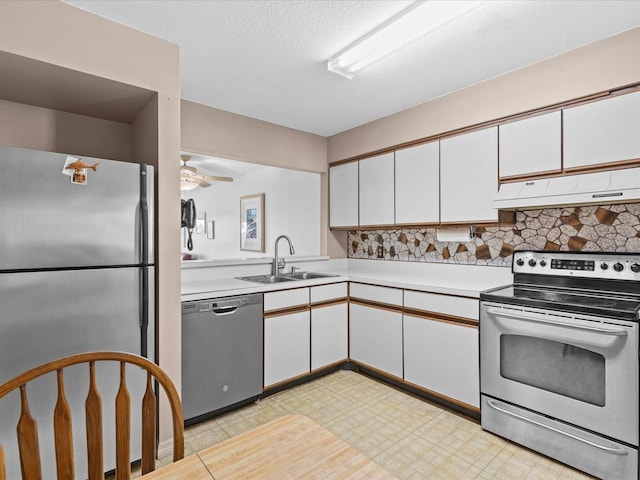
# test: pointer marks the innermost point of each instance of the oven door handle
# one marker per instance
(543, 319)
(611, 450)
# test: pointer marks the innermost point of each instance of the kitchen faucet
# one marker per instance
(278, 263)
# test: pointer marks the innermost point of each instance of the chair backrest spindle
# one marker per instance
(148, 427)
(63, 434)
(123, 427)
(3, 471)
(93, 412)
(28, 440)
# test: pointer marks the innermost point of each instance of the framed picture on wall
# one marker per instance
(252, 222)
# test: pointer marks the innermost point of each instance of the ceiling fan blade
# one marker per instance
(190, 174)
(202, 183)
(216, 178)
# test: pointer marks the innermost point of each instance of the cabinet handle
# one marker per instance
(224, 310)
(610, 450)
(540, 318)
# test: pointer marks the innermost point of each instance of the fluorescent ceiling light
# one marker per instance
(401, 30)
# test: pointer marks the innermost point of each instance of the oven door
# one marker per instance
(576, 368)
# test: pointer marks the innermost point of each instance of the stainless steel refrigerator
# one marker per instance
(76, 275)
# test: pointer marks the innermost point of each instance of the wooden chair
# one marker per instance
(27, 431)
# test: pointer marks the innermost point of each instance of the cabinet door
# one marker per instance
(376, 190)
(533, 145)
(286, 347)
(343, 195)
(603, 131)
(469, 176)
(442, 357)
(417, 184)
(375, 338)
(329, 335)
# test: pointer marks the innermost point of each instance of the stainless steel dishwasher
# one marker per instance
(222, 344)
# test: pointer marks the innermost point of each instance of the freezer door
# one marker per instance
(49, 222)
(47, 315)
(50, 314)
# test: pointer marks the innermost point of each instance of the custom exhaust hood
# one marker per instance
(615, 186)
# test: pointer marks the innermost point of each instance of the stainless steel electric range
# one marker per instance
(559, 359)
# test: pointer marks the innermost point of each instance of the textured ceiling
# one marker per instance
(267, 59)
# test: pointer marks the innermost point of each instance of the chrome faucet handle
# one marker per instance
(293, 269)
(276, 267)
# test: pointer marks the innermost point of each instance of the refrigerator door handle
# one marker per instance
(144, 216)
(144, 311)
(144, 260)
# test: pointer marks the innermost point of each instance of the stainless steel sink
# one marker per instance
(288, 277)
(309, 275)
(267, 278)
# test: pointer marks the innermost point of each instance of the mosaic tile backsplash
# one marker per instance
(591, 228)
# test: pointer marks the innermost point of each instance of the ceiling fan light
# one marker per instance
(186, 185)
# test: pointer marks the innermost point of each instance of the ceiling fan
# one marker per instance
(190, 179)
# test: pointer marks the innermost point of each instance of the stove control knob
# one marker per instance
(604, 266)
(520, 262)
(635, 268)
(618, 267)
(543, 263)
(532, 263)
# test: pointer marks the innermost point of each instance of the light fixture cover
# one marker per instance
(186, 185)
(403, 29)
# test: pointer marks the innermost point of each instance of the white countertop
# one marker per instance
(226, 287)
(450, 279)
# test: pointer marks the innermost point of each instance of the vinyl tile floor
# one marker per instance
(410, 437)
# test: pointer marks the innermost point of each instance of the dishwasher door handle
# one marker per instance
(225, 310)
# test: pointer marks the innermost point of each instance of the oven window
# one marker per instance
(554, 366)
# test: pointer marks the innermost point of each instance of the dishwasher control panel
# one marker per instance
(220, 303)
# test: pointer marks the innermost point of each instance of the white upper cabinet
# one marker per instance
(377, 190)
(417, 184)
(532, 145)
(602, 132)
(343, 195)
(469, 176)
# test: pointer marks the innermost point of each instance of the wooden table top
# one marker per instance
(291, 447)
(189, 468)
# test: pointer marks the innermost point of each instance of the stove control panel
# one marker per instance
(620, 266)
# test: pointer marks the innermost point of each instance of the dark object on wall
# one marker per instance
(189, 219)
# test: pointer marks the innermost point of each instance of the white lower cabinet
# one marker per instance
(286, 346)
(442, 357)
(287, 335)
(428, 340)
(329, 324)
(329, 335)
(376, 338)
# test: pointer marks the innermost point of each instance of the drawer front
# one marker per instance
(332, 291)
(445, 304)
(391, 296)
(286, 298)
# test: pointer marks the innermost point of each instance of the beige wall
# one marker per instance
(607, 64)
(28, 126)
(62, 35)
(210, 131)
(214, 132)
